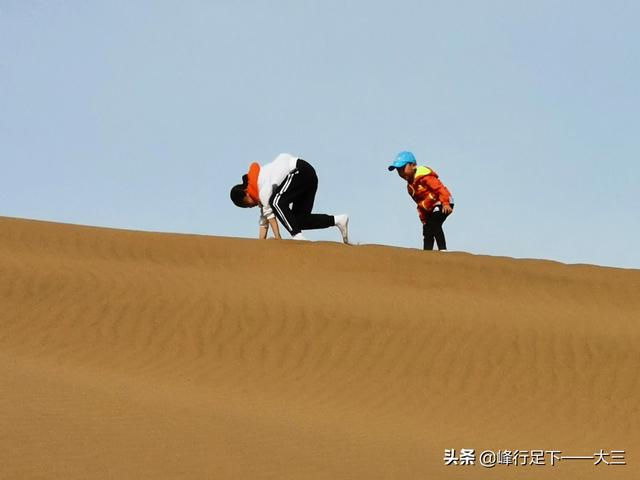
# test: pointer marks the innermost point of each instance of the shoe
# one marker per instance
(342, 222)
(298, 236)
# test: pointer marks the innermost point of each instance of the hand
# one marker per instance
(446, 209)
(273, 222)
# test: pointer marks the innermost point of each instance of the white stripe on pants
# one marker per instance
(276, 199)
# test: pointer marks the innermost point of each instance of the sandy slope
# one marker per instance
(142, 355)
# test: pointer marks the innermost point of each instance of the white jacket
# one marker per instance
(271, 175)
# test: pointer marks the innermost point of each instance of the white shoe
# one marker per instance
(298, 236)
(342, 222)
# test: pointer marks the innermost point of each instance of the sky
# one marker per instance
(142, 114)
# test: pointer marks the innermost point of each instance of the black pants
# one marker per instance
(292, 201)
(432, 230)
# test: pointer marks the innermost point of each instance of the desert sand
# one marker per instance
(135, 355)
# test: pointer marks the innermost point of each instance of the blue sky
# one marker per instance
(142, 114)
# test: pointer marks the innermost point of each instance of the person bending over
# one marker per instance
(285, 190)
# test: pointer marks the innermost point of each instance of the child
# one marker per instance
(285, 189)
(434, 200)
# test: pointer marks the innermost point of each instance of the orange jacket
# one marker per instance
(427, 191)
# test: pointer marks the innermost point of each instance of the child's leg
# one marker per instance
(428, 235)
(439, 233)
(432, 230)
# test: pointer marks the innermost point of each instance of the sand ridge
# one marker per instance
(149, 355)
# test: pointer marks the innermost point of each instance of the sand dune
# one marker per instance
(131, 355)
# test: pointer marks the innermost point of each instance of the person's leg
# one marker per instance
(433, 231)
(299, 189)
(282, 198)
(303, 204)
(428, 235)
(438, 233)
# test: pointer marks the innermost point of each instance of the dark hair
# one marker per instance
(237, 195)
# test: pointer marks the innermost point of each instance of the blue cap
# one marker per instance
(402, 159)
